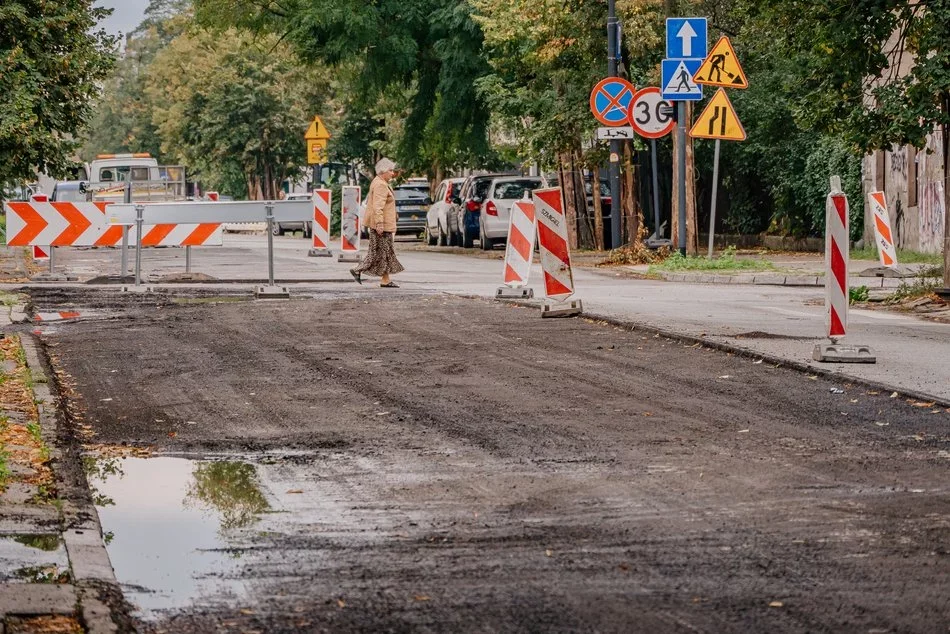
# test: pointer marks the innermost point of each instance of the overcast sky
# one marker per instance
(126, 16)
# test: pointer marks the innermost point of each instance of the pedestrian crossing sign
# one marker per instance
(718, 120)
(677, 83)
(721, 67)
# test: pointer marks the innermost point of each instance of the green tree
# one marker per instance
(51, 60)
(428, 49)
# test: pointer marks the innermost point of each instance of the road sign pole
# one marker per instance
(681, 172)
(712, 205)
(656, 193)
(52, 251)
(139, 223)
(612, 55)
(269, 210)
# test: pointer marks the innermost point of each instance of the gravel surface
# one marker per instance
(461, 465)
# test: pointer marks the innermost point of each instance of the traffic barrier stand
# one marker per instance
(522, 230)
(350, 225)
(320, 226)
(837, 295)
(555, 255)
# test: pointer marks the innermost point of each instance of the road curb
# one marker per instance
(798, 366)
(89, 562)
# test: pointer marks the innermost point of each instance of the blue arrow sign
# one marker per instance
(677, 82)
(686, 38)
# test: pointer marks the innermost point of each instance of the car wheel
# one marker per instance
(307, 230)
(443, 240)
(430, 239)
(277, 230)
(487, 244)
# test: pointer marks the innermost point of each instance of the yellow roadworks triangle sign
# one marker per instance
(317, 130)
(718, 120)
(721, 67)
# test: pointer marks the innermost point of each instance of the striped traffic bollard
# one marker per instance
(350, 225)
(555, 255)
(321, 223)
(522, 230)
(882, 230)
(837, 297)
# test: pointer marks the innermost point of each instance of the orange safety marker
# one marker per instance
(522, 230)
(41, 253)
(555, 254)
(882, 230)
(321, 223)
(66, 224)
(837, 297)
(350, 225)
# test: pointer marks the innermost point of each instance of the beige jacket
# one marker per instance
(380, 207)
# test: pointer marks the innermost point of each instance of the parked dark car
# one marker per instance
(412, 205)
(468, 207)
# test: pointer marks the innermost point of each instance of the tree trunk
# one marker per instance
(692, 215)
(598, 210)
(585, 226)
(674, 192)
(946, 196)
(631, 207)
(569, 198)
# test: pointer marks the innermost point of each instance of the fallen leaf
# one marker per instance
(246, 611)
(341, 603)
(881, 423)
(726, 376)
(549, 552)
(421, 597)
(776, 604)
(922, 404)
(757, 362)
(743, 431)
(172, 434)
(295, 491)
(648, 413)
(382, 413)
(872, 393)
(893, 394)
(814, 377)
(105, 400)
(854, 400)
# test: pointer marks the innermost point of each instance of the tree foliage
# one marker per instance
(51, 58)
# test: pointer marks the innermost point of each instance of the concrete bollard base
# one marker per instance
(837, 353)
(562, 309)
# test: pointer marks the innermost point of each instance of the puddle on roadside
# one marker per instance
(173, 526)
(33, 559)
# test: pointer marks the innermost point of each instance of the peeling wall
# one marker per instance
(918, 225)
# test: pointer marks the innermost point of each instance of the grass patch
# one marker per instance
(727, 261)
(924, 284)
(858, 294)
(904, 256)
(4, 468)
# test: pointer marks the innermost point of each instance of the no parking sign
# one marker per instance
(610, 100)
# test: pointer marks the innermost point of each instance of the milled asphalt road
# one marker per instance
(786, 322)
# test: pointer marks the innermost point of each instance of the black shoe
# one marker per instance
(356, 276)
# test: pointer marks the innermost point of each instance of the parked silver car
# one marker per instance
(304, 226)
(438, 218)
(502, 193)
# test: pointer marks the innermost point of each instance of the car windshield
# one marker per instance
(410, 194)
(515, 190)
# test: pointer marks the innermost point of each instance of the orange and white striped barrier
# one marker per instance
(522, 230)
(555, 254)
(837, 296)
(882, 229)
(321, 223)
(60, 316)
(66, 224)
(350, 225)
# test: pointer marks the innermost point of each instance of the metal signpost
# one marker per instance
(719, 121)
(685, 51)
(651, 117)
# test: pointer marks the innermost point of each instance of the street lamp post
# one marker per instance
(613, 54)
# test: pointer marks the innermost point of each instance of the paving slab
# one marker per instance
(36, 598)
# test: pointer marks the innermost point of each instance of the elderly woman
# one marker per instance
(379, 218)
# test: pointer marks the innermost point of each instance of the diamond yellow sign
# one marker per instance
(721, 67)
(718, 120)
(317, 137)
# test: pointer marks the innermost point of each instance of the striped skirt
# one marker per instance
(381, 259)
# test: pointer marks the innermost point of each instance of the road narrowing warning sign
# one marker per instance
(721, 67)
(718, 121)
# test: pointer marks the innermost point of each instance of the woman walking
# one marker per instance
(379, 218)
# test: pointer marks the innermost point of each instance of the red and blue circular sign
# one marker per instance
(610, 101)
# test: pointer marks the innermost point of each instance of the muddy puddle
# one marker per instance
(33, 559)
(176, 529)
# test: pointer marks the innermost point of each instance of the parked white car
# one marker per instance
(437, 218)
(502, 193)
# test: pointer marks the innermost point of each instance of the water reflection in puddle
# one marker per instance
(173, 526)
(33, 559)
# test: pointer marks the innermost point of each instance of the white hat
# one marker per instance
(386, 165)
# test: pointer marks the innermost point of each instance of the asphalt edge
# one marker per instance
(89, 563)
(798, 366)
